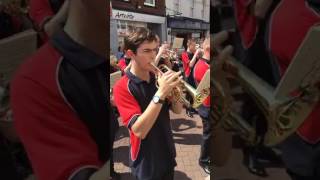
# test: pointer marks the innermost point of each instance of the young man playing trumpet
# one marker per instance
(144, 109)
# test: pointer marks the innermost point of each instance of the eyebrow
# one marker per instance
(155, 49)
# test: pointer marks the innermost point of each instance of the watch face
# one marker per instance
(156, 99)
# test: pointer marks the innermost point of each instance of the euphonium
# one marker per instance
(178, 92)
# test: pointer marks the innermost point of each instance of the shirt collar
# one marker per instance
(205, 60)
(81, 57)
(137, 80)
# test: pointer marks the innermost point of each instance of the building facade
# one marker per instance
(187, 18)
(127, 14)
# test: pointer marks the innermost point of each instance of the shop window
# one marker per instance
(150, 3)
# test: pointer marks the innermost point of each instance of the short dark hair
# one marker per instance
(191, 40)
(137, 37)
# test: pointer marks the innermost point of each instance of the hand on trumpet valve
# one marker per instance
(163, 48)
(167, 81)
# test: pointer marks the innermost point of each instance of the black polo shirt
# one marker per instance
(153, 156)
(60, 106)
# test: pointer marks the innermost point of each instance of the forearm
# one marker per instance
(57, 21)
(176, 107)
(193, 60)
(52, 26)
(146, 120)
(158, 57)
(261, 8)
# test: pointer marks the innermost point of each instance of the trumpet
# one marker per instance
(171, 54)
(178, 92)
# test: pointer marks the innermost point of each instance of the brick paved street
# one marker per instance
(187, 135)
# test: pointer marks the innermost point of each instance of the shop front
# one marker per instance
(125, 21)
(186, 28)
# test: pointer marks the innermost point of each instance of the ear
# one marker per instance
(130, 53)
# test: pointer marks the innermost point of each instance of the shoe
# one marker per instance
(189, 113)
(269, 155)
(253, 165)
(194, 111)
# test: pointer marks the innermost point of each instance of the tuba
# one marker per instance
(283, 110)
(178, 93)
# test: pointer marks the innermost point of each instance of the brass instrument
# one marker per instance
(178, 92)
(283, 111)
(172, 55)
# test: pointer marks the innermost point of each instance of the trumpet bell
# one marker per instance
(198, 95)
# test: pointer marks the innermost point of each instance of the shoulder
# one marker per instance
(39, 69)
(122, 86)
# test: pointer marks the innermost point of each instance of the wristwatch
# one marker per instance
(156, 99)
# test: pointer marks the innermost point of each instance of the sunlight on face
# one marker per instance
(146, 53)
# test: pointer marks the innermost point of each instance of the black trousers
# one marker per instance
(301, 159)
(7, 166)
(295, 176)
(205, 145)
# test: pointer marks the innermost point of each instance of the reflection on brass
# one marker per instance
(178, 93)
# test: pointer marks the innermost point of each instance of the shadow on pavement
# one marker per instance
(182, 124)
(187, 139)
(121, 155)
(121, 133)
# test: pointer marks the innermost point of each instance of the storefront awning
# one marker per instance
(187, 23)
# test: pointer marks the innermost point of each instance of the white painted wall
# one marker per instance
(186, 6)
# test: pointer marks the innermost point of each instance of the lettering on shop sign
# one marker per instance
(124, 16)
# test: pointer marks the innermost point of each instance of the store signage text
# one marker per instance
(124, 16)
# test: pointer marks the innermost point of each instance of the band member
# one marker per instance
(202, 66)
(163, 54)
(289, 25)
(186, 58)
(221, 140)
(48, 16)
(113, 64)
(189, 58)
(124, 62)
(59, 99)
(251, 19)
(144, 109)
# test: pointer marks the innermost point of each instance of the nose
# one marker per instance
(154, 54)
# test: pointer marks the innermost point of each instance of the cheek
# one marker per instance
(142, 60)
